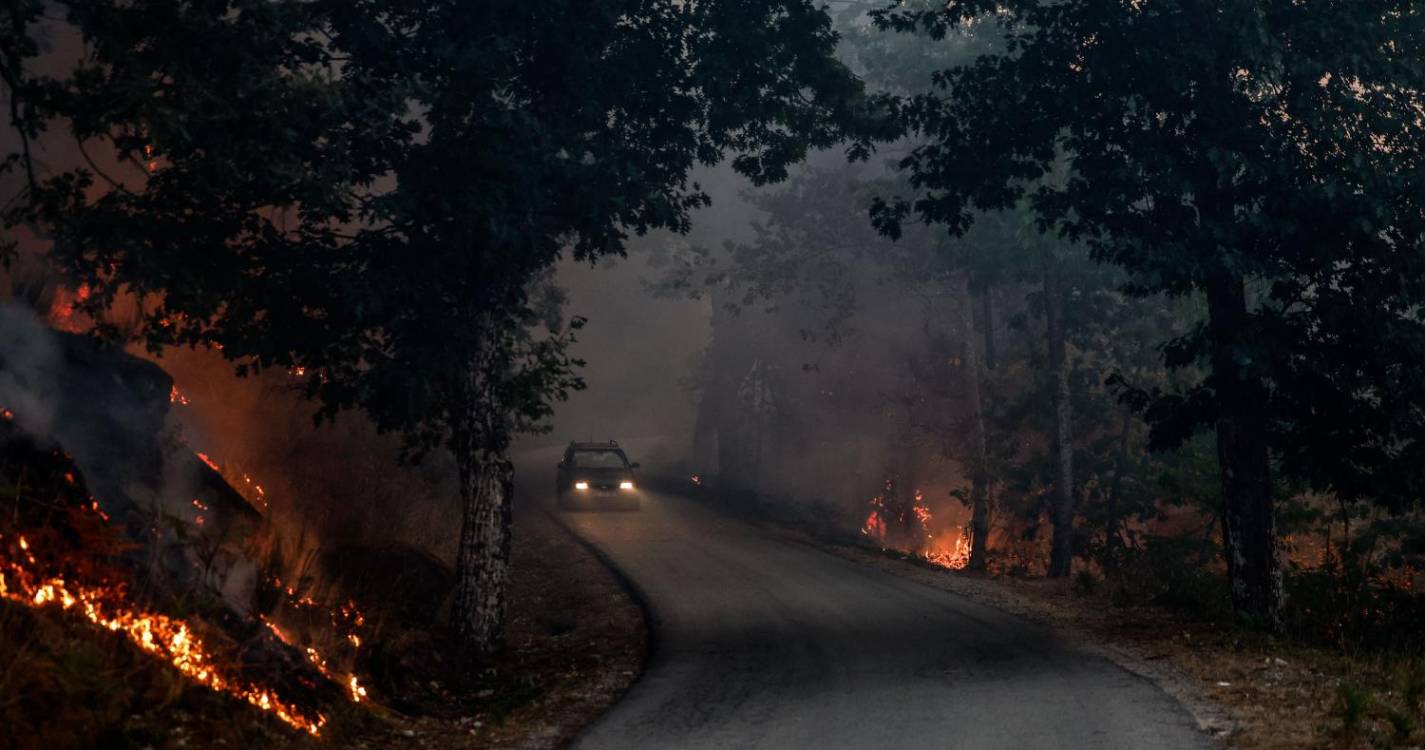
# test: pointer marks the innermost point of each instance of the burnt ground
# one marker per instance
(1245, 689)
(575, 642)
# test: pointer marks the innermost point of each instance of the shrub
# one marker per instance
(1410, 680)
(1401, 724)
(1352, 702)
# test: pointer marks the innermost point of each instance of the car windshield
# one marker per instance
(599, 460)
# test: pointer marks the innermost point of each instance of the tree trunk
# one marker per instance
(1248, 521)
(1112, 541)
(987, 319)
(979, 462)
(482, 565)
(1061, 556)
(729, 362)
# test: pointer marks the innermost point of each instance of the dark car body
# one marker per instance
(593, 476)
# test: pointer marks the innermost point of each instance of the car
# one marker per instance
(596, 475)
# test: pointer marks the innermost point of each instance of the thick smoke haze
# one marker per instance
(643, 345)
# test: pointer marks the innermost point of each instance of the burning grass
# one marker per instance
(71, 571)
(165, 638)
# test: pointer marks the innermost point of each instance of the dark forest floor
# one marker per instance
(575, 642)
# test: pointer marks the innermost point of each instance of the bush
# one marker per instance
(1410, 681)
(1353, 613)
(1352, 703)
(1167, 570)
(1401, 724)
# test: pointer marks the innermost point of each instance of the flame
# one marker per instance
(61, 312)
(160, 636)
(210, 462)
(875, 525)
(176, 397)
(955, 555)
(353, 687)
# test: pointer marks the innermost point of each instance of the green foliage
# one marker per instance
(1188, 142)
(1352, 703)
(1410, 681)
(1401, 724)
(370, 191)
(1169, 571)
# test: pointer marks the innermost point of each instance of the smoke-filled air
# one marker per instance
(712, 374)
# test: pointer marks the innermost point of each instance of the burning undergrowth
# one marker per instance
(148, 547)
(65, 567)
(238, 571)
(903, 521)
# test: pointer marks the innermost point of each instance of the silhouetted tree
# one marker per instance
(368, 189)
(1265, 155)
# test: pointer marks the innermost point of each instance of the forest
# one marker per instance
(961, 359)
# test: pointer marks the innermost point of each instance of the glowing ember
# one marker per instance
(210, 462)
(353, 688)
(922, 513)
(158, 635)
(62, 312)
(176, 397)
(875, 525)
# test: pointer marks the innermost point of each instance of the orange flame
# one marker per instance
(955, 555)
(353, 687)
(160, 636)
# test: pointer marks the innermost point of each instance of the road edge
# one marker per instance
(634, 592)
(1212, 720)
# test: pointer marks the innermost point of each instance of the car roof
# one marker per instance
(611, 445)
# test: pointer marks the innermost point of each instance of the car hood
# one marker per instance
(601, 475)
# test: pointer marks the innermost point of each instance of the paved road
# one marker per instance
(764, 643)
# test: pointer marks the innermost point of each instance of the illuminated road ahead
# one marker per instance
(762, 643)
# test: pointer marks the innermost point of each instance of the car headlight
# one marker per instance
(625, 485)
(581, 485)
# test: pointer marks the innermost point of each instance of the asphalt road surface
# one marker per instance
(765, 643)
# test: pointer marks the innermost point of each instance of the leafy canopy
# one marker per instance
(1185, 140)
(369, 190)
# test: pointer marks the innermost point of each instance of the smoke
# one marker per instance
(332, 484)
(29, 361)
